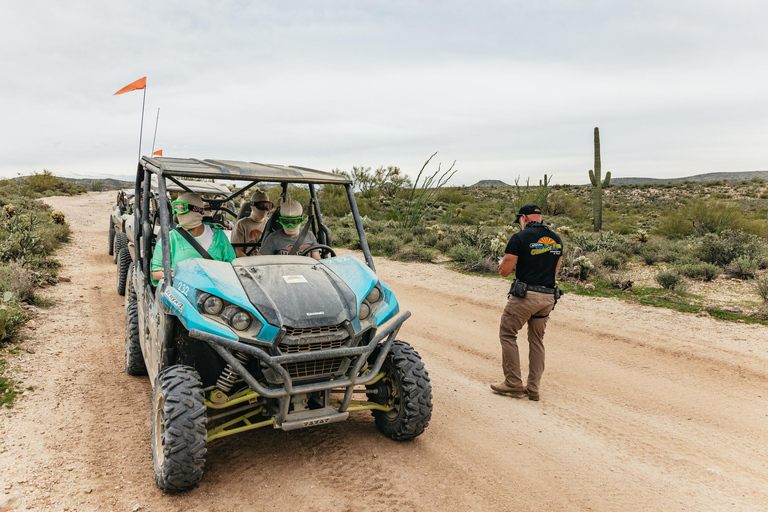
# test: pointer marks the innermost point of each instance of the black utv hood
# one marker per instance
(296, 293)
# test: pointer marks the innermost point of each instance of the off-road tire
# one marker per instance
(111, 235)
(134, 359)
(411, 393)
(178, 423)
(123, 262)
(121, 241)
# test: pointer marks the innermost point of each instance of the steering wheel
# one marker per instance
(324, 249)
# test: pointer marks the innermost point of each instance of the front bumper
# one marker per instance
(284, 392)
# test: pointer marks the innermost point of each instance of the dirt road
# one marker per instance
(642, 409)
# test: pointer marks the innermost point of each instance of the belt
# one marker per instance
(541, 289)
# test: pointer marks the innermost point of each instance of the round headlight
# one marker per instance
(365, 311)
(374, 296)
(241, 321)
(212, 305)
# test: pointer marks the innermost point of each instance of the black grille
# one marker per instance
(312, 346)
(311, 368)
(306, 331)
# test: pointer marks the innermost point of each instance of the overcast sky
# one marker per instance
(505, 88)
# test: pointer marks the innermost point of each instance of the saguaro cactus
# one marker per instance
(598, 186)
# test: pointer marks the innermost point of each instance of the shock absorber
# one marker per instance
(229, 376)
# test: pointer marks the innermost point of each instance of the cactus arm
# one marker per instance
(592, 178)
(607, 180)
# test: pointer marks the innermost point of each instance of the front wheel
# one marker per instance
(406, 388)
(179, 432)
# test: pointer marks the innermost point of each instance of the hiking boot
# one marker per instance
(532, 395)
(506, 389)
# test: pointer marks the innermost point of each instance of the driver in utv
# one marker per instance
(191, 238)
(282, 241)
(248, 230)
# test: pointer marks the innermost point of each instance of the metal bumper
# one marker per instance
(359, 355)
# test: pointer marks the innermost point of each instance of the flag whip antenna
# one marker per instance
(155, 135)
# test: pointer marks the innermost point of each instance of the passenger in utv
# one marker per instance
(189, 208)
(282, 241)
(248, 230)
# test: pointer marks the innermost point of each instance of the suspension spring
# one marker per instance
(229, 376)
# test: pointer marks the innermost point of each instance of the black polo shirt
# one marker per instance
(538, 249)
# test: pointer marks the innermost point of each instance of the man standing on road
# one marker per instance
(535, 255)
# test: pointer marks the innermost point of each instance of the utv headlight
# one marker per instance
(374, 296)
(237, 318)
(212, 305)
(365, 311)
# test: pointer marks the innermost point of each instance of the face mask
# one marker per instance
(292, 231)
(190, 220)
(258, 215)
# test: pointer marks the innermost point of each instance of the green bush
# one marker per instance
(700, 270)
(761, 287)
(18, 280)
(614, 260)
(12, 316)
(465, 253)
(484, 265)
(744, 267)
(384, 244)
(670, 279)
(724, 248)
(415, 253)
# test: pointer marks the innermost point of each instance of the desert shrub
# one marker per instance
(415, 253)
(20, 238)
(46, 184)
(699, 216)
(12, 316)
(761, 287)
(614, 260)
(700, 270)
(670, 279)
(465, 253)
(743, 266)
(384, 244)
(723, 248)
(483, 265)
(17, 279)
(604, 241)
(343, 236)
(97, 186)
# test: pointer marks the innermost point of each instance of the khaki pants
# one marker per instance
(517, 312)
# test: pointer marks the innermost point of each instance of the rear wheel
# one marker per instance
(406, 388)
(121, 241)
(179, 432)
(111, 236)
(134, 359)
(123, 262)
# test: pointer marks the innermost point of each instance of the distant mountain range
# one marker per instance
(710, 176)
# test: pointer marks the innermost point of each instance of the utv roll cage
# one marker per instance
(174, 168)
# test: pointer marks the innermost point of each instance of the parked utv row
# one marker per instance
(283, 341)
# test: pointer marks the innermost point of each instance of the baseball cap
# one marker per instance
(528, 209)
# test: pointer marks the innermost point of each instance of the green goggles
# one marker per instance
(289, 222)
(180, 208)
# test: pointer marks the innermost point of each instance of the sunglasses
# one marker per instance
(289, 222)
(181, 208)
(262, 205)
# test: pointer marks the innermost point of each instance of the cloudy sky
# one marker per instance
(505, 88)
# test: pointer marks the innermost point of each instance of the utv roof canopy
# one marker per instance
(235, 170)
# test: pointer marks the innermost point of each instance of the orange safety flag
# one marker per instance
(141, 83)
(159, 152)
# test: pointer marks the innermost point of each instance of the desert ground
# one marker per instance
(642, 409)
